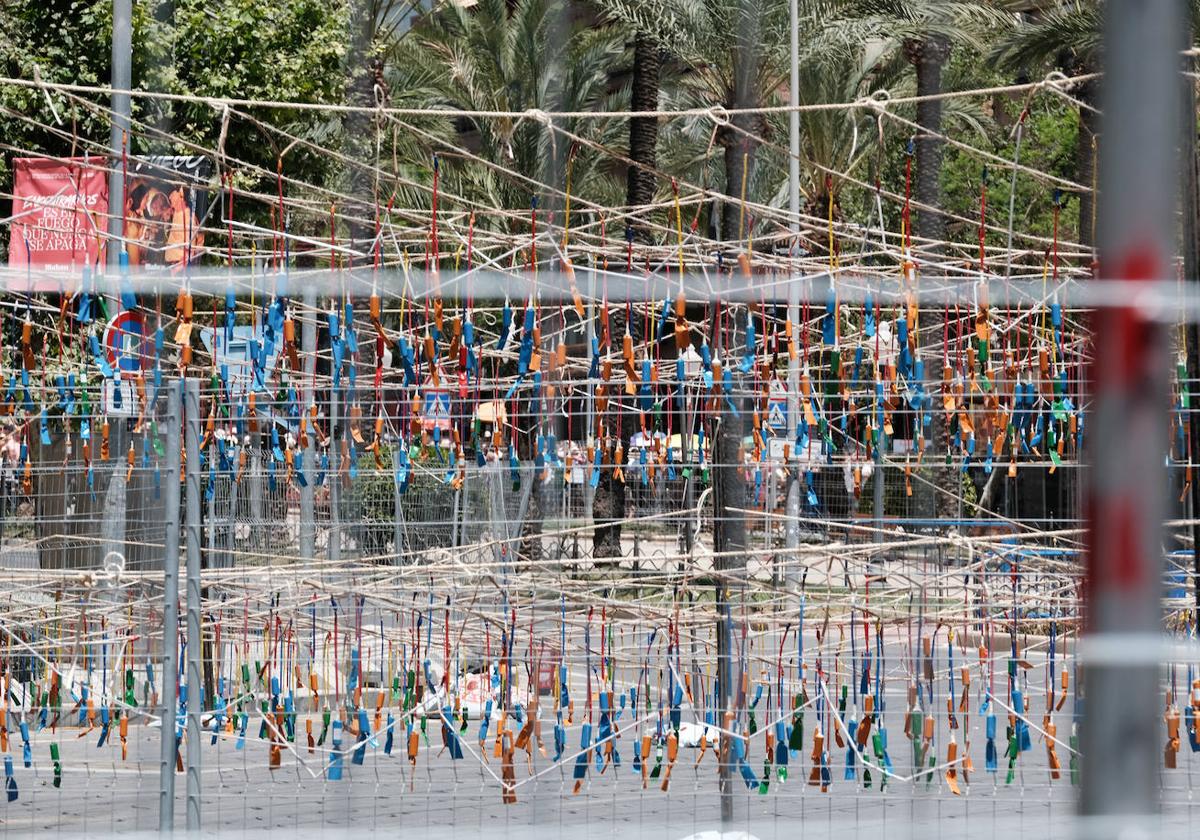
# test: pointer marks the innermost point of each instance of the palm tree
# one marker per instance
(837, 142)
(643, 131)
(738, 59)
(925, 32)
(834, 67)
(928, 55)
(371, 26)
(516, 56)
(726, 53)
(657, 29)
(735, 52)
(1070, 39)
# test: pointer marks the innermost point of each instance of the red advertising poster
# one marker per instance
(59, 208)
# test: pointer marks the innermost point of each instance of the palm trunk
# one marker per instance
(531, 527)
(729, 488)
(729, 564)
(362, 73)
(643, 131)
(928, 57)
(1085, 162)
(739, 163)
(608, 505)
(739, 147)
(608, 509)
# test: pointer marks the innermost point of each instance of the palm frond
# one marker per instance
(1078, 31)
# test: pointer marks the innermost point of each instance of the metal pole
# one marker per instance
(769, 530)
(464, 509)
(589, 495)
(879, 492)
(308, 342)
(208, 557)
(687, 428)
(1190, 207)
(335, 475)
(875, 567)
(794, 120)
(170, 664)
(1121, 650)
(257, 471)
(792, 527)
(4, 479)
(229, 532)
(397, 519)
(210, 507)
(122, 50)
(191, 399)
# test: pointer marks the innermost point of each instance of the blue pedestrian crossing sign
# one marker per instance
(777, 407)
(435, 409)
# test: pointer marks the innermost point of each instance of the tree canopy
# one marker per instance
(569, 56)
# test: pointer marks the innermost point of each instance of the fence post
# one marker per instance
(335, 475)
(170, 664)
(397, 514)
(228, 540)
(259, 524)
(459, 504)
(194, 641)
(308, 339)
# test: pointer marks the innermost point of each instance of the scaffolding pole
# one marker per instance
(194, 642)
(170, 666)
(308, 339)
(1123, 645)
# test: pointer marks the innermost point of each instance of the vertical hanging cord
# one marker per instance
(745, 176)
(906, 213)
(279, 216)
(567, 204)
(229, 221)
(533, 205)
(678, 226)
(983, 185)
(1012, 189)
(332, 237)
(433, 215)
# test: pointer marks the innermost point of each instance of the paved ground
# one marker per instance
(242, 797)
(102, 795)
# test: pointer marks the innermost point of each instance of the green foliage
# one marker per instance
(290, 51)
(374, 492)
(1048, 145)
(246, 49)
(1060, 35)
(970, 497)
(514, 56)
(850, 49)
(833, 64)
(551, 55)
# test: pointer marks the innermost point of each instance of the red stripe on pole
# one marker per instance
(1128, 567)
